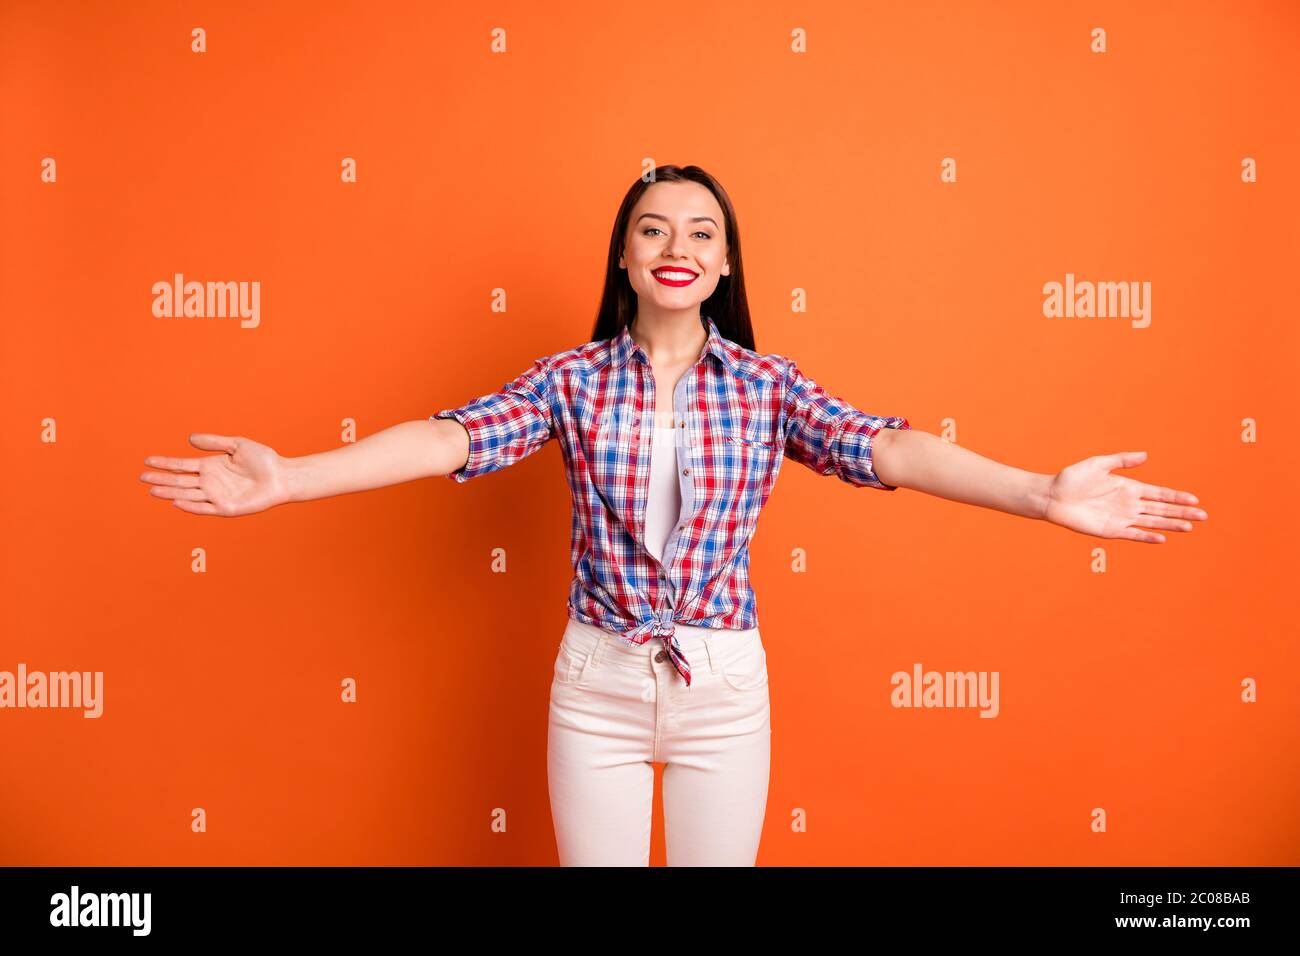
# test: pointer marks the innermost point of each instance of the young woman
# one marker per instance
(673, 429)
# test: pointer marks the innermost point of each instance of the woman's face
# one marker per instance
(675, 249)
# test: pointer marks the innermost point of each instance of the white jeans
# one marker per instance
(617, 709)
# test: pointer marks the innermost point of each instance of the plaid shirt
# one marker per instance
(737, 414)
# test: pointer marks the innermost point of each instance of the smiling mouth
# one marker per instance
(674, 277)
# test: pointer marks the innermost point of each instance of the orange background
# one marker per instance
(479, 170)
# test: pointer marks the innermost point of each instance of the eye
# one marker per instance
(649, 229)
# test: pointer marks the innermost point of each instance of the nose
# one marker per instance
(677, 248)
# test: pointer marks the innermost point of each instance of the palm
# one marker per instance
(245, 478)
(1087, 498)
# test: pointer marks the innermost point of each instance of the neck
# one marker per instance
(669, 338)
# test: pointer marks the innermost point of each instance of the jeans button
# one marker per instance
(660, 656)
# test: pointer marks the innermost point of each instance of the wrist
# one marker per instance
(292, 483)
(1039, 495)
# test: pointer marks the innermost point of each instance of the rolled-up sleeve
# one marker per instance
(507, 425)
(829, 435)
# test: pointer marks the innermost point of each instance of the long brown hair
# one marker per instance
(727, 306)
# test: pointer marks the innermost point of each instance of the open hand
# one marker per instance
(246, 478)
(1086, 497)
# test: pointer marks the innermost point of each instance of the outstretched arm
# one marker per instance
(1083, 497)
(246, 476)
(481, 437)
(403, 452)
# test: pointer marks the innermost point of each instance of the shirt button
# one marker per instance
(681, 424)
(660, 656)
(686, 471)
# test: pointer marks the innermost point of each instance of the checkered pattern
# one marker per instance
(744, 413)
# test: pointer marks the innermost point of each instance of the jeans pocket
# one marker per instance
(570, 664)
(748, 670)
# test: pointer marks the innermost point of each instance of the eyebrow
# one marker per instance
(655, 215)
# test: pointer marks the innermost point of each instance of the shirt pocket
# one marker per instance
(738, 451)
(752, 442)
(744, 470)
(757, 422)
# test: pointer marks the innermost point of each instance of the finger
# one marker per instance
(1124, 459)
(1169, 524)
(1173, 511)
(209, 442)
(197, 507)
(187, 494)
(164, 478)
(1146, 537)
(173, 464)
(1160, 493)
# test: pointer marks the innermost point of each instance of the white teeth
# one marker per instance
(675, 276)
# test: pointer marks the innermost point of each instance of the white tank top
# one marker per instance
(665, 501)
